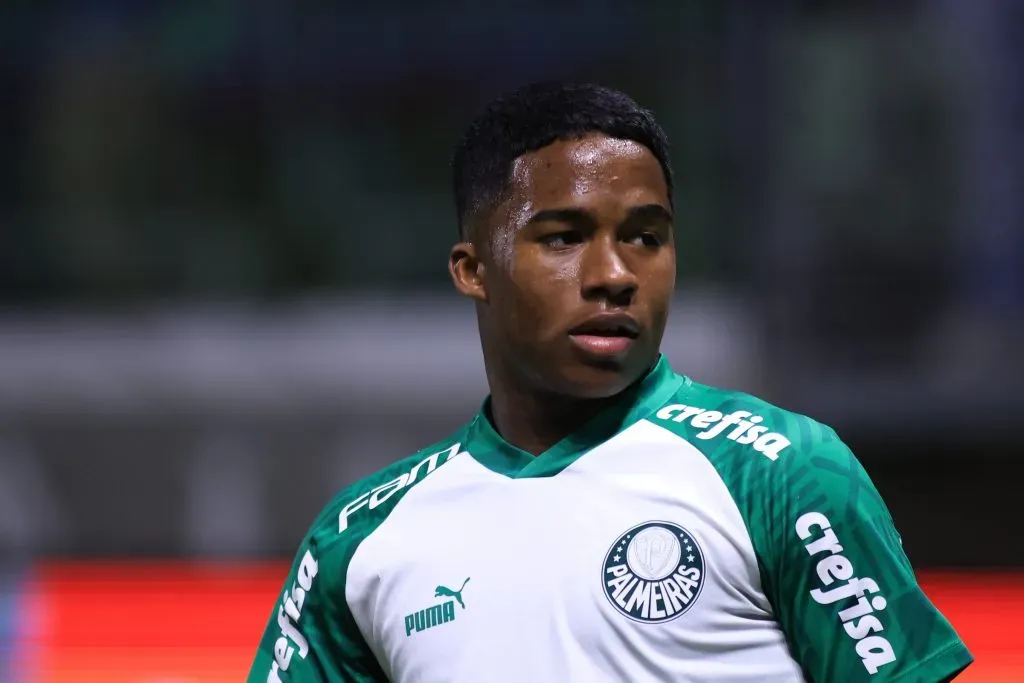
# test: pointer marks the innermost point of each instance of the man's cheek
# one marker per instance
(568, 272)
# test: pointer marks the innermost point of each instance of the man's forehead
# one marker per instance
(577, 155)
(572, 168)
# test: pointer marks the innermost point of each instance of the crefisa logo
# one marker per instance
(654, 572)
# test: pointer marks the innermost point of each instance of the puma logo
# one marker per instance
(444, 591)
(435, 615)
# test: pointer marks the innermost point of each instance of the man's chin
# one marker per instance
(600, 379)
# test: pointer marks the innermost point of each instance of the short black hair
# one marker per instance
(532, 118)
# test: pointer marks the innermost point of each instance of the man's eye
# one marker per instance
(648, 239)
(561, 239)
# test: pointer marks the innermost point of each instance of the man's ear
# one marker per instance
(467, 271)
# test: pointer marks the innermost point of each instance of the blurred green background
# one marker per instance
(224, 226)
(223, 292)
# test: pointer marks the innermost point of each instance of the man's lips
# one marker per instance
(606, 334)
(598, 345)
(608, 325)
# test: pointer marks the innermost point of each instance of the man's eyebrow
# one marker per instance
(645, 213)
(649, 213)
(569, 215)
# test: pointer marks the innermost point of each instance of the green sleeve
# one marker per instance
(836, 573)
(311, 636)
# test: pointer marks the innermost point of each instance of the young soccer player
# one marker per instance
(602, 518)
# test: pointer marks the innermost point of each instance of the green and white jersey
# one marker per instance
(687, 534)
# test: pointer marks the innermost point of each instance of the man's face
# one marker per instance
(580, 268)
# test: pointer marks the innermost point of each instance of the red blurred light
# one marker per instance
(142, 622)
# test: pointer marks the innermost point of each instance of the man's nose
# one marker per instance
(606, 275)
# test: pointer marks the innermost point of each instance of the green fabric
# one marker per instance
(792, 479)
(817, 484)
(337, 651)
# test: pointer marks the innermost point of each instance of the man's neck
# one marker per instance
(535, 423)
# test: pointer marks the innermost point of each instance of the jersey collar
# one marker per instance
(488, 448)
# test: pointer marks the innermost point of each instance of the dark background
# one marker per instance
(224, 225)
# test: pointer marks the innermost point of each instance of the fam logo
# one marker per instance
(654, 572)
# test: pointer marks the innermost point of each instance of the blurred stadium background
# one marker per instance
(223, 295)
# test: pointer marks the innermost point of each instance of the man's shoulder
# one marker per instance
(756, 447)
(722, 422)
(361, 506)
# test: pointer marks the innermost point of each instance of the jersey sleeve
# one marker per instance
(311, 636)
(843, 589)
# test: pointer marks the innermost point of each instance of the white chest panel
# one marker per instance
(556, 590)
